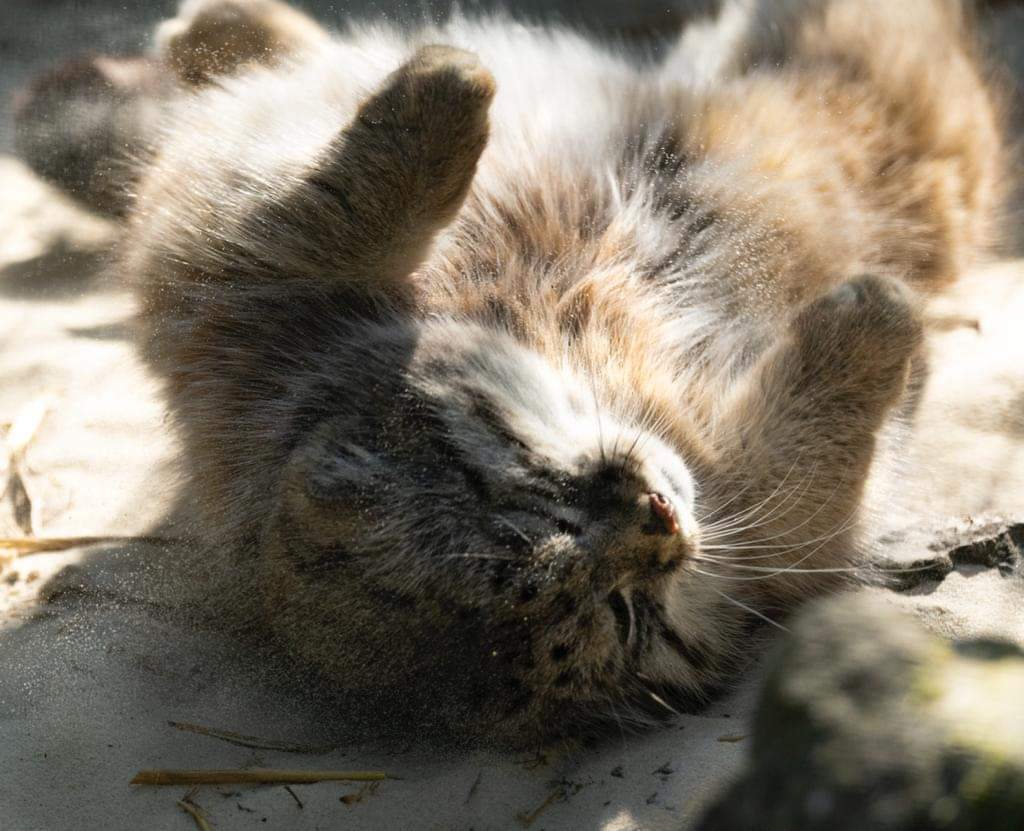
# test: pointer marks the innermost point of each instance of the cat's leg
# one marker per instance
(209, 38)
(798, 435)
(926, 144)
(230, 224)
(243, 270)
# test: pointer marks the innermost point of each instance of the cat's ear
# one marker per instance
(332, 481)
(370, 207)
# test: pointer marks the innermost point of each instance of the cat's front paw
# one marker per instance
(861, 337)
(426, 128)
(442, 95)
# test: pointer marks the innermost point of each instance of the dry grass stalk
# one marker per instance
(20, 502)
(194, 811)
(249, 741)
(25, 426)
(19, 435)
(527, 819)
(255, 776)
(28, 546)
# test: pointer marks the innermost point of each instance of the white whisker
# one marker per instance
(752, 611)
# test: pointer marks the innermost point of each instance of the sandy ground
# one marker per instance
(92, 671)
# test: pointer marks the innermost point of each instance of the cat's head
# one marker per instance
(502, 519)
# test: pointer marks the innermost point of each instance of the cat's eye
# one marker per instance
(564, 526)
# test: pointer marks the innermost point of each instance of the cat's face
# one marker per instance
(465, 479)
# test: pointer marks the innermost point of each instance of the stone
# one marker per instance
(868, 721)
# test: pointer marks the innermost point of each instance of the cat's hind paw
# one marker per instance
(861, 337)
(210, 38)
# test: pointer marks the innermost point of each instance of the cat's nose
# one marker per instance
(664, 519)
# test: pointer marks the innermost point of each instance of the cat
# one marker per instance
(518, 376)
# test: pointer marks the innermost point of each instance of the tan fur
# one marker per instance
(695, 263)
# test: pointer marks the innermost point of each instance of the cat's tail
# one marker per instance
(88, 126)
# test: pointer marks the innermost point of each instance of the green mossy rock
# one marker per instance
(867, 722)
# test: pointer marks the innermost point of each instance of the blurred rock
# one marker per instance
(867, 721)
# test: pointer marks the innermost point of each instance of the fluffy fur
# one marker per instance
(521, 380)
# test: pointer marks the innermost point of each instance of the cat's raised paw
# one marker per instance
(441, 92)
(427, 126)
(865, 308)
(861, 336)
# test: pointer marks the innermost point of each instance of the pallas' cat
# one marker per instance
(518, 376)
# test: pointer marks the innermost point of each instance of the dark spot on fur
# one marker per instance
(560, 652)
(599, 491)
(329, 189)
(332, 554)
(315, 560)
(564, 526)
(565, 604)
(527, 593)
(563, 679)
(693, 654)
(392, 599)
(499, 576)
(475, 482)
(655, 565)
(700, 223)
(309, 559)
(621, 612)
(608, 475)
(520, 702)
(482, 409)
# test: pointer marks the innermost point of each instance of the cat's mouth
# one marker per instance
(657, 541)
